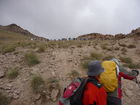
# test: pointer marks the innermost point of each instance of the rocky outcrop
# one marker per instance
(92, 36)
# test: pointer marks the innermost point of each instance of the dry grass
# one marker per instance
(13, 73)
(31, 59)
(126, 60)
(7, 49)
(37, 84)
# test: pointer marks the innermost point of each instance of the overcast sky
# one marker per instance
(56, 19)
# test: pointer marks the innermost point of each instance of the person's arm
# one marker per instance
(127, 74)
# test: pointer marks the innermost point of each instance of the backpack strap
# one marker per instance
(95, 82)
(77, 97)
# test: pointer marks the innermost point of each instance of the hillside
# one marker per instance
(15, 32)
(36, 72)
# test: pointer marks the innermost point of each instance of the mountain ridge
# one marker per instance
(17, 29)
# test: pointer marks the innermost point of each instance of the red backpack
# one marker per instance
(72, 94)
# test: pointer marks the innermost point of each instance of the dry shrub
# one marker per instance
(122, 45)
(108, 57)
(8, 49)
(131, 46)
(31, 59)
(13, 73)
(37, 84)
(126, 60)
(116, 48)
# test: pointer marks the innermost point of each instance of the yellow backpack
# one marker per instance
(109, 77)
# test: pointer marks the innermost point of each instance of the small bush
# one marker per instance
(134, 66)
(122, 45)
(4, 100)
(37, 84)
(124, 50)
(131, 46)
(41, 49)
(73, 74)
(31, 59)
(13, 73)
(126, 60)
(96, 56)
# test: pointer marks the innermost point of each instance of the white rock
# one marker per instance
(54, 94)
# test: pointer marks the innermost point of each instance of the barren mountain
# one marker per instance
(36, 72)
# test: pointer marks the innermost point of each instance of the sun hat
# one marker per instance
(94, 68)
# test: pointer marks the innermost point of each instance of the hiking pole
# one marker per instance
(137, 82)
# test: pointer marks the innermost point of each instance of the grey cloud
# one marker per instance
(70, 18)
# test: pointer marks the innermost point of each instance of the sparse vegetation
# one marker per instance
(116, 48)
(41, 49)
(4, 100)
(108, 57)
(52, 83)
(12, 73)
(131, 46)
(96, 56)
(31, 59)
(126, 60)
(132, 66)
(73, 74)
(8, 48)
(122, 45)
(37, 84)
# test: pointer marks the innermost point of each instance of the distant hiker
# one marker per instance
(111, 79)
(86, 91)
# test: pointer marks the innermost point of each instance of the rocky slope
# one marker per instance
(59, 63)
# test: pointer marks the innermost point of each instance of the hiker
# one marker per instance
(86, 91)
(114, 91)
(94, 93)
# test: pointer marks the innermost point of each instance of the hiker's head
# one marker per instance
(94, 68)
(117, 61)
